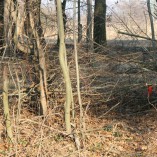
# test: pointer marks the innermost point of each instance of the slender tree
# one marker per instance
(82, 128)
(7, 38)
(100, 22)
(6, 103)
(63, 63)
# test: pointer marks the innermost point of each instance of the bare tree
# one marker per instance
(63, 63)
(77, 67)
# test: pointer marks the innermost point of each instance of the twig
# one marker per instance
(109, 110)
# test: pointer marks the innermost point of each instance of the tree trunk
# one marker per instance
(77, 72)
(79, 23)
(63, 63)
(8, 22)
(6, 104)
(100, 23)
(89, 25)
(151, 23)
(153, 33)
(39, 38)
(7, 37)
(1, 23)
(17, 10)
(64, 18)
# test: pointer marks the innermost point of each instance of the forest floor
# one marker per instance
(119, 120)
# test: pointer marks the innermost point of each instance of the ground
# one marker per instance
(118, 119)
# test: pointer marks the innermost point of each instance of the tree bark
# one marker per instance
(100, 23)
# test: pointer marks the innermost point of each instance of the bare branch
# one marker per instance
(134, 35)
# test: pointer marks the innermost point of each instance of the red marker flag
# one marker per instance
(150, 90)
